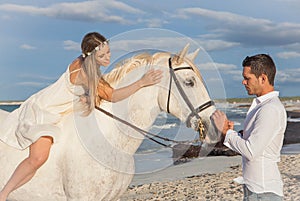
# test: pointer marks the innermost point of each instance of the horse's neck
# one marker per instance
(140, 110)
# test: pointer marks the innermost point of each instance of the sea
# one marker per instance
(151, 156)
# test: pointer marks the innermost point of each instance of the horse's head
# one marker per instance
(185, 96)
(182, 91)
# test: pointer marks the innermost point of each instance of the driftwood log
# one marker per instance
(183, 153)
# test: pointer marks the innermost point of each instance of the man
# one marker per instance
(262, 137)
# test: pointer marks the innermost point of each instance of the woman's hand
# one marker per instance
(151, 77)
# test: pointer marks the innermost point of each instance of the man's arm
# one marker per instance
(261, 136)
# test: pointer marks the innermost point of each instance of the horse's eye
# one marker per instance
(190, 82)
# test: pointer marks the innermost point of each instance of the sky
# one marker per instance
(40, 38)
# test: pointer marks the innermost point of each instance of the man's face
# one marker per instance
(251, 83)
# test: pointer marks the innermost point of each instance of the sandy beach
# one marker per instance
(212, 178)
(209, 186)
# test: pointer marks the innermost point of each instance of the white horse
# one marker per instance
(93, 159)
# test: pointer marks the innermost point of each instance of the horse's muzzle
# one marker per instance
(198, 125)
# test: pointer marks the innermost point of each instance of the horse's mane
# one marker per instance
(124, 67)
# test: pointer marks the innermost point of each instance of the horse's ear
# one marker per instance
(184, 51)
(193, 55)
(178, 59)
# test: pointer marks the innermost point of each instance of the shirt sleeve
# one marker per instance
(266, 126)
(232, 136)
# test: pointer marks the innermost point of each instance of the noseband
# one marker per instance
(194, 111)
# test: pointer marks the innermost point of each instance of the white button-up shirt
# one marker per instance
(261, 144)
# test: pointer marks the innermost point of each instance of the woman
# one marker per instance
(35, 123)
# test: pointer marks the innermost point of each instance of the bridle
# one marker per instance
(194, 111)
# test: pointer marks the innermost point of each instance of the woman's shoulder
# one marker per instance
(74, 69)
(75, 66)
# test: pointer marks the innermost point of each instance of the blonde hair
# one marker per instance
(89, 45)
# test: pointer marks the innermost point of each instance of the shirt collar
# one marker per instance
(261, 99)
(267, 96)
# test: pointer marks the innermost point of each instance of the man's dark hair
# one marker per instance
(261, 64)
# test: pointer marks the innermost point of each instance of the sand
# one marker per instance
(211, 186)
(211, 178)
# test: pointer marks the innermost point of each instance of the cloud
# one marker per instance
(139, 38)
(99, 11)
(153, 22)
(6, 17)
(31, 84)
(36, 77)
(219, 66)
(294, 46)
(246, 30)
(288, 55)
(212, 45)
(288, 76)
(27, 47)
(36, 81)
(167, 43)
(71, 45)
(229, 72)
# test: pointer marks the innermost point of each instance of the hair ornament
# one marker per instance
(101, 45)
(85, 55)
(96, 48)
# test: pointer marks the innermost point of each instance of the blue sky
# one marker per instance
(40, 38)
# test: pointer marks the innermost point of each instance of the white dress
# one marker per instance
(41, 114)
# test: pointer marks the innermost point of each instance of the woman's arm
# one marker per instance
(106, 92)
(114, 95)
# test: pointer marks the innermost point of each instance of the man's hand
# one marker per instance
(221, 122)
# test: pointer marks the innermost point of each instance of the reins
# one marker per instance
(147, 134)
(194, 112)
